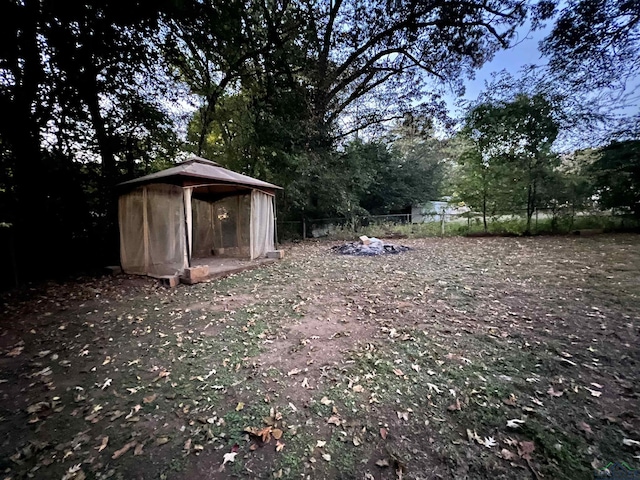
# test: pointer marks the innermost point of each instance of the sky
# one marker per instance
(524, 52)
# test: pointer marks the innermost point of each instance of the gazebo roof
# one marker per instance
(201, 168)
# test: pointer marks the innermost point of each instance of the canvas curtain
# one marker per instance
(152, 230)
(222, 227)
(262, 224)
(202, 228)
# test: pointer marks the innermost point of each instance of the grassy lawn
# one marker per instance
(462, 358)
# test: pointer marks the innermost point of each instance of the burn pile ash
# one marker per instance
(368, 247)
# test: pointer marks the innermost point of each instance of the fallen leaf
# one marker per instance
(398, 372)
(326, 456)
(295, 371)
(631, 443)
(277, 433)
(514, 423)
(433, 387)
(107, 383)
(455, 406)
(240, 406)
(229, 457)
(489, 442)
(358, 388)
(103, 444)
(162, 440)
(553, 393)
(73, 473)
(383, 433)
(118, 453)
(382, 463)
(415, 367)
(325, 401)
(334, 420)
(594, 393)
(525, 449)
(263, 433)
(585, 427)
(356, 442)
(279, 446)
(133, 411)
(473, 436)
(150, 398)
(511, 401)
(507, 454)
(15, 351)
(138, 450)
(115, 415)
(38, 407)
(320, 443)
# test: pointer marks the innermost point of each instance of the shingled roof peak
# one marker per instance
(196, 159)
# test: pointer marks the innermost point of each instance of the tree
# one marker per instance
(595, 44)
(77, 86)
(220, 48)
(314, 69)
(478, 181)
(513, 139)
(616, 176)
(371, 60)
(392, 180)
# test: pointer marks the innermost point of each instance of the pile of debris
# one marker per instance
(369, 246)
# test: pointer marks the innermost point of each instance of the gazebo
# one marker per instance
(191, 213)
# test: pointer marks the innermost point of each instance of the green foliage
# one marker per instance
(92, 97)
(283, 88)
(509, 156)
(616, 176)
(595, 44)
(83, 110)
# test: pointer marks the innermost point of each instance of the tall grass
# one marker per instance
(497, 226)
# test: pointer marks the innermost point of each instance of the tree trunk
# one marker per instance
(22, 132)
(109, 172)
(529, 210)
(206, 115)
(484, 212)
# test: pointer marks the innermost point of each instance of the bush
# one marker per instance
(504, 225)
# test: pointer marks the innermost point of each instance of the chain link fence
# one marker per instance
(542, 221)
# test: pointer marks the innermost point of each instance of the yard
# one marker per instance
(462, 358)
